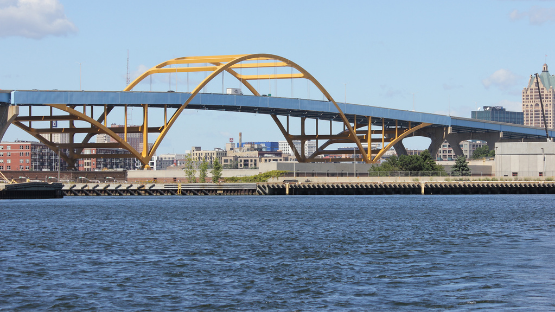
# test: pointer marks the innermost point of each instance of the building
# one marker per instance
(251, 155)
(446, 152)
(164, 161)
(524, 159)
(262, 146)
(134, 139)
(531, 100)
(56, 137)
(499, 114)
(199, 155)
(309, 147)
(108, 163)
(31, 156)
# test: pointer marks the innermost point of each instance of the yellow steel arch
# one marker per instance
(228, 63)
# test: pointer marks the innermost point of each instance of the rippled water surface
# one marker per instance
(279, 253)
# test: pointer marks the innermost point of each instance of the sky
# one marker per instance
(444, 57)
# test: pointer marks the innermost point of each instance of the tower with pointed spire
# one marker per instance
(531, 100)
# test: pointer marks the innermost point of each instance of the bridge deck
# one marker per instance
(322, 110)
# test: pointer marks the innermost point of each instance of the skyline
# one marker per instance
(454, 57)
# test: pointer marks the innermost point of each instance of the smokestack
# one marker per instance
(240, 140)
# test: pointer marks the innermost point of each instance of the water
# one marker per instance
(279, 253)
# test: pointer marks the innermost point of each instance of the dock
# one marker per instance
(311, 188)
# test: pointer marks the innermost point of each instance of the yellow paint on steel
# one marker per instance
(145, 133)
(286, 135)
(400, 137)
(43, 140)
(102, 128)
(125, 124)
(369, 138)
(231, 61)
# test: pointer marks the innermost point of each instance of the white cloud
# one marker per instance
(34, 19)
(536, 15)
(503, 79)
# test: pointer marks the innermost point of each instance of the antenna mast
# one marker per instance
(128, 81)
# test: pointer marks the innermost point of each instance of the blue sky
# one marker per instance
(452, 55)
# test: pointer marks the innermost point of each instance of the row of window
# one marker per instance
(9, 154)
(9, 147)
(10, 167)
(9, 161)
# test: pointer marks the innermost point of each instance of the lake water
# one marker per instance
(279, 253)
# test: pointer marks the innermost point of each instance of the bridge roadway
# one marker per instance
(453, 129)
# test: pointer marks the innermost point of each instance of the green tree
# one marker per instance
(202, 172)
(216, 171)
(422, 162)
(190, 170)
(482, 152)
(460, 168)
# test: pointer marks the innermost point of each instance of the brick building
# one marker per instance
(29, 156)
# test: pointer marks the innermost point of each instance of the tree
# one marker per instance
(190, 170)
(422, 162)
(482, 152)
(460, 168)
(202, 172)
(216, 171)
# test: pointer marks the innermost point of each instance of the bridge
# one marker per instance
(362, 125)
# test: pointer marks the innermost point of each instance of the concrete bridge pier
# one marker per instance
(7, 116)
(454, 140)
(436, 134)
(400, 148)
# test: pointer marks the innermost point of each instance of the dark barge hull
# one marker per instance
(31, 190)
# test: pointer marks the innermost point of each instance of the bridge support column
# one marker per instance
(492, 138)
(400, 149)
(7, 116)
(454, 140)
(436, 134)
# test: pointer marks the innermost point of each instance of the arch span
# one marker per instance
(229, 63)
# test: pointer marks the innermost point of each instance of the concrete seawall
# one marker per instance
(312, 188)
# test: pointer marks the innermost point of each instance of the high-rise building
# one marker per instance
(498, 113)
(531, 100)
(57, 137)
(134, 139)
(309, 147)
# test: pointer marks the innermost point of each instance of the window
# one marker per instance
(27, 160)
(541, 174)
(1, 161)
(21, 147)
(21, 161)
(515, 174)
(21, 167)
(26, 167)
(9, 147)
(9, 161)
(21, 154)
(9, 168)
(1, 167)
(9, 154)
